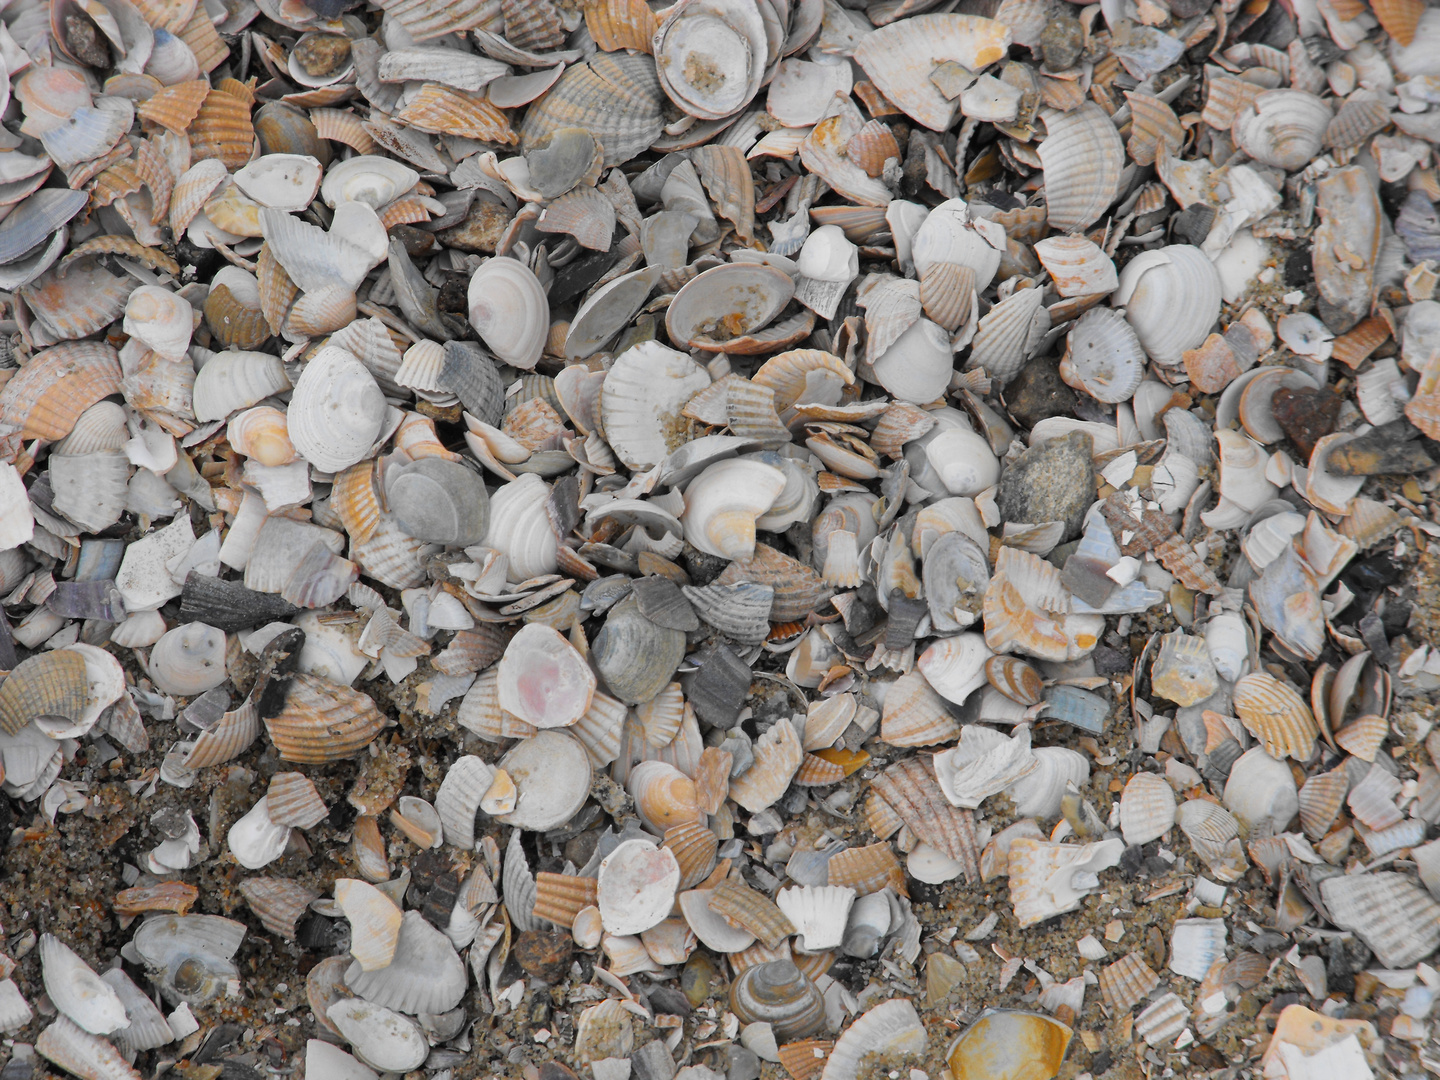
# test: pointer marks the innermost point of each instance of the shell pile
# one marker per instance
(733, 539)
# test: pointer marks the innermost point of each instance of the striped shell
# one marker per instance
(1082, 157)
(1276, 714)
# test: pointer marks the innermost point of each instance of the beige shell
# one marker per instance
(1282, 128)
(1147, 808)
(694, 847)
(1276, 714)
(1077, 265)
(899, 58)
(1103, 356)
(743, 907)
(868, 869)
(1127, 982)
(263, 434)
(723, 503)
(1009, 333)
(509, 310)
(1321, 799)
(664, 796)
(1082, 157)
(910, 788)
(323, 722)
(1154, 129)
(277, 902)
(292, 800)
(1363, 736)
(915, 715)
(777, 757)
(1171, 297)
(374, 922)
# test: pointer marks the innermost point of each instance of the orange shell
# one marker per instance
(1399, 18)
(621, 24)
(1153, 124)
(204, 40)
(694, 847)
(560, 897)
(743, 907)
(341, 126)
(1276, 714)
(453, 112)
(46, 396)
(223, 130)
(323, 722)
(175, 107)
(176, 896)
(277, 291)
(868, 870)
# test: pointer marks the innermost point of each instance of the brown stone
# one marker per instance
(481, 230)
(1307, 415)
(545, 954)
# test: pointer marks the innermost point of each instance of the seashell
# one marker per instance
(292, 800)
(1261, 791)
(233, 311)
(603, 1031)
(560, 898)
(636, 887)
(47, 684)
(1009, 1044)
(1183, 671)
(712, 930)
(1127, 982)
(281, 181)
(458, 799)
(278, 903)
(1350, 215)
(509, 310)
(917, 366)
(1009, 333)
(45, 399)
(720, 309)
(955, 666)
(323, 722)
(262, 433)
(222, 129)
(641, 402)
(1153, 126)
(1014, 678)
(828, 263)
(230, 381)
(985, 762)
(798, 590)
(1282, 128)
(1103, 356)
(584, 214)
(778, 755)
(189, 660)
(723, 502)
(1364, 736)
(1049, 879)
(90, 489)
(916, 796)
(818, 913)
(160, 319)
(694, 848)
(664, 796)
(80, 994)
(1162, 1021)
(1077, 266)
(336, 412)
(78, 1052)
(616, 96)
(440, 501)
(891, 1028)
(1393, 915)
(778, 994)
(1151, 287)
(1325, 490)
(1082, 157)
(962, 461)
(1147, 808)
(424, 976)
(914, 714)
(889, 56)
(1276, 715)
(374, 922)
(379, 1036)
(710, 59)
(551, 772)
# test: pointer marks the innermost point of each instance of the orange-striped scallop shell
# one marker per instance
(222, 130)
(46, 396)
(323, 722)
(1275, 714)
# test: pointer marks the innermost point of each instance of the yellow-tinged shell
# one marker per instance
(233, 322)
(868, 870)
(47, 684)
(777, 757)
(560, 897)
(175, 107)
(787, 373)
(743, 907)
(1275, 714)
(454, 112)
(664, 796)
(323, 722)
(621, 24)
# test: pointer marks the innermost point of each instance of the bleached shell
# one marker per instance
(984, 762)
(1275, 714)
(1043, 875)
(723, 502)
(424, 976)
(84, 1055)
(1103, 356)
(90, 489)
(951, 235)
(900, 57)
(1183, 672)
(1008, 334)
(955, 666)
(1325, 490)
(1127, 982)
(367, 178)
(77, 991)
(256, 841)
(1282, 128)
(380, 1036)
(720, 309)
(1162, 1021)
(47, 396)
(710, 57)
(891, 1028)
(161, 319)
(326, 1059)
(98, 429)
(1171, 298)
(712, 930)
(1078, 266)
(147, 1029)
(641, 401)
(603, 1031)
(1147, 808)
(1154, 126)
(1390, 912)
(458, 799)
(1261, 790)
(230, 381)
(616, 96)
(314, 258)
(543, 680)
(637, 886)
(1039, 794)
(914, 714)
(551, 771)
(509, 310)
(520, 527)
(917, 366)
(1082, 157)
(962, 461)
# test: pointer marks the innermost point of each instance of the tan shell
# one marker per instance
(1276, 714)
(911, 789)
(292, 800)
(1321, 799)
(899, 58)
(323, 722)
(1363, 736)
(743, 907)
(222, 129)
(45, 398)
(868, 870)
(664, 796)
(559, 898)
(1154, 129)
(1014, 678)
(694, 847)
(277, 902)
(777, 757)
(915, 715)
(1127, 982)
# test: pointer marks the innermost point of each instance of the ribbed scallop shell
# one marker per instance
(947, 294)
(641, 402)
(227, 738)
(47, 684)
(617, 25)
(1103, 356)
(1363, 736)
(277, 902)
(1154, 129)
(788, 373)
(323, 722)
(1390, 912)
(615, 96)
(192, 190)
(1147, 808)
(911, 789)
(1275, 714)
(230, 381)
(1282, 128)
(798, 589)
(560, 897)
(222, 130)
(1083, 158)
(777, 757)
(46, 397)
(1127, 982)
(868, 869)
(1321, 799)
(1008, 333)
(1078, 266)
(694, 847)
(175, 107)
(76, 1051)
(292, 800)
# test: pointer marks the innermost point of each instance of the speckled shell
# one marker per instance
(1103, 356)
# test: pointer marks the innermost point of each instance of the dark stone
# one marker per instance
(652, 1062)
(1038, 393)
(417, 242)
(1132, 860)
(1061, 42)
(577, 276)
(1110, 661)
(553, 1070)
(454, 294)
(579, 849)
(1396, 616)
(1392, 448)
(668, 1000)
(87, 600)
(1192, 225)
(1306, 414)
(1372, 574)
(662, 602)
(702, 568)
(317, 933)
(1155, 866)
(440, 900)
(1298, 268)
(905, 616)
(545, 954)
(1101, 1062)
(1207, 1057)
(720, 687)
(1051, 482)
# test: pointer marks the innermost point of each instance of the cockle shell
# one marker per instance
(637, 886)
(1276, 715)
(1082, 156)
(1171, 298)
(1260, 790)
(543, 680)
(1282, 128)
(1147, 808)
(641, 401)
(1103, 356)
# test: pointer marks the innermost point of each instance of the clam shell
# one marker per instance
(551, 771)
(1078, 266)
(723, 502)
(710, 58)
(509, 310)
(1282, 128)
(236, 380)
(1002, 1041)
(914, 714)
(323, 722)
(636, 887)
(1276, 715)
(79, 993)
(440, 501)
(1155, 286)
(336, 412)
(721, 308)
(1147, 808)
(1260, 791)
(955, 666)
(278, 903)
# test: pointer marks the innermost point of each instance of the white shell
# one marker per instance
(543, 680)
(189, 660)
(723, 503)
(1261, 790)
(1038, 795)
(1171, 297)
(77, 991)
(963, 461)
(327, 1060)
(950, 234)
(336, 412)
(1282, 128)
(641, 400)
(917, 365)
(383, 1038)
(818, 913)
(520, 527)
(281, 181)
(983, 763)
(711, 56)
(1103, 356)
(230, 381)
(636, 887)
(955, 666)
(424, 976)
(161, 320)
(509, 310)
(255, 840)
(891, 1028)
(368, 179)
(1195, 944)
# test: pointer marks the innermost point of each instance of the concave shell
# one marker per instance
(641, 401)
(900, 57)
(1390, 912)
(636, 887)
(917, 365)
(543, 680)
(1171, 298)
(45, 398)
(189, 660)
(222, 129)
(1127, 982)
(323, 722)
(1275, 714)
(551, 772)
(955, 666)
(891, 1029)
(337, 410)
(719, 309)
(374, 922)
(1103, 356)
(616, 96)
(77, 991)
(388, 1041)
(281, 181)
(723, 503)
(509, 310)
(47, 684)
(1078, 266)
(229, 381)
(1009, 333)
(424, 976)
(437, 500)
(1082, 157)
(777, 758)
(1006, 1044)
(1147, 808)
(520, 527)
(1260, 792)
(710, 57)
(694, 847)
(664, 796)
(914, 714)
(84, 1055)
(778, 994)
(1282, 128)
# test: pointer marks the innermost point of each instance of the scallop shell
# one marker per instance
(797, 588)
(278, 903)
(1103, 356)
(1154, 129)
(616, 96)
(76, 1051)
(1082, 157)
(1077, 266)
(911, 789)
(1147, 808)
(323, 722)
(1049, 879)
(47, 684)
(955, 666)
(1009, 333)
(1276, 715)
(559, 898)
(914, 714)
(778, 755)
(236, 380)
(1127, 982)
(1155, 285)
(891, 1028)
(1390, 912)
(46, 397)
(222, 129)
(520, 526)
